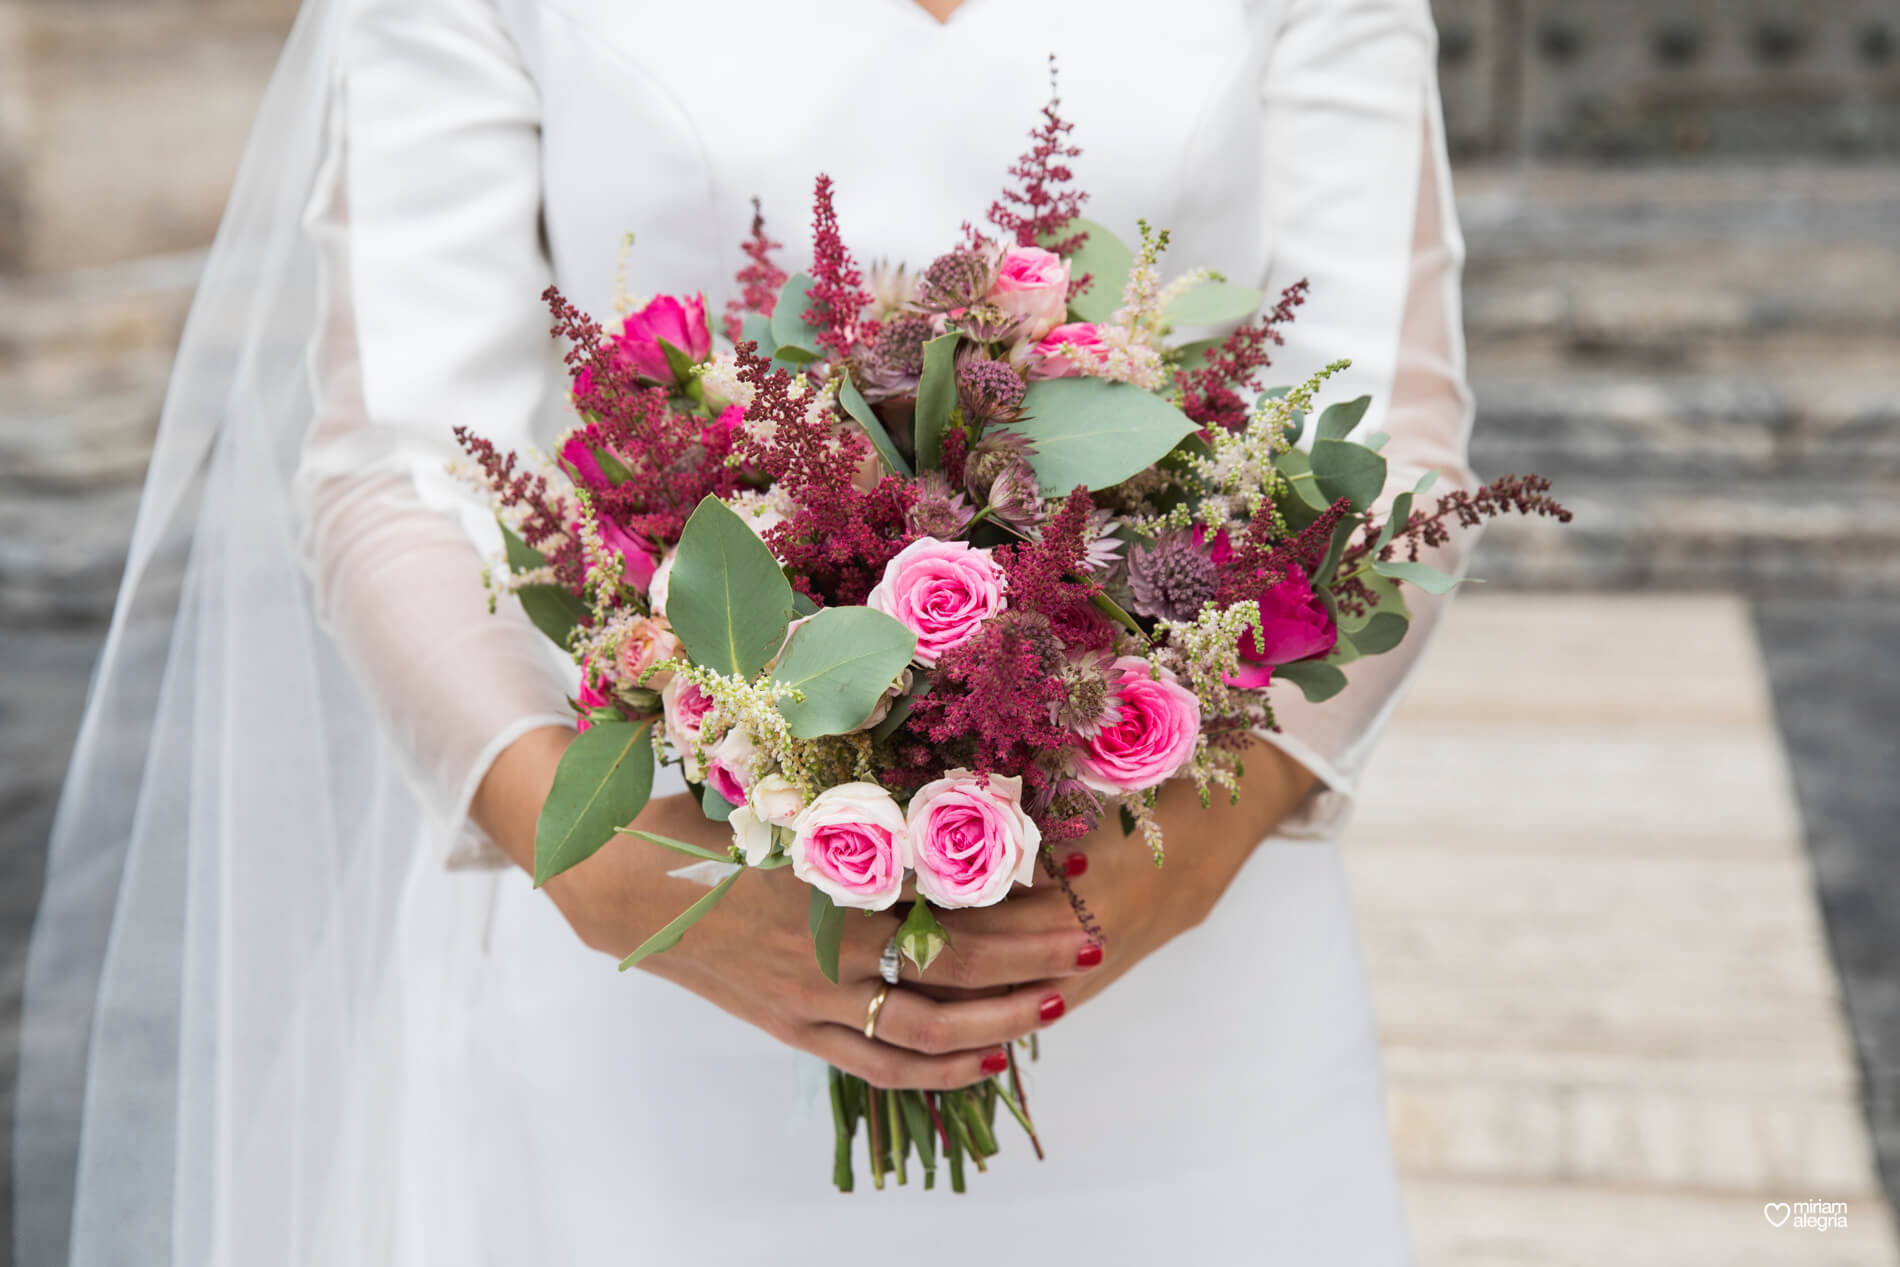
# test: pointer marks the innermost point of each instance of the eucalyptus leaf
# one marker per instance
(757, 327)
(1423, 575)
(1425, 483)
(936, 393)
(677, 846)
(1342, 536)
(1096, 433)
(1401, 511)
(789, 327)
(1386, 598)
(827, 932)
(1316, 679)
(858, 407)
(669, 937)
(1343, 652)
(1337, 422)
(900, 711)
(921, 937)
(601, 784)
(553, 610)
(1305, 505)
(1104, 257)
(1378, 440)
(1344, 469)
(841, 661)
(728, 600)
(1213, 304)
(1383, 632)
(1192, 356)
(802, 604)
(714, 806)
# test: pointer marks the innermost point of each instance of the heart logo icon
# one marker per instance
(1777, 1212)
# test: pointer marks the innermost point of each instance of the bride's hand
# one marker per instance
(1139, 906)
(752, 955)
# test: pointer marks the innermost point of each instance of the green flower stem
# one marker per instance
(1019, 1103)
(877, 1138)
(899, 1144)
(952, 1144)
(981, 1136)
(843, 1131)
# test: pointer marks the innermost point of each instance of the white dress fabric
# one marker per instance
(471, 1085)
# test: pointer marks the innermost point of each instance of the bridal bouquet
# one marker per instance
(935, 569)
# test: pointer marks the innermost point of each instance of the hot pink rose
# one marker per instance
(1155, 737)
(684, 707)
(578, 452)
(589, 697)
(1050, 361)
(683, 324)
(1033, 284)
(733, 767)
(1297, 628)
(942, 591)
(851, 844)
(637, 562)
(970, 839)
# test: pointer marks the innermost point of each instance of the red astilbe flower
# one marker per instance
(1211, 395)
(1042, 574)
(837, 538)
(759, 280)
(674, 457)
(837, 295)
(543, 525)
(1257, 562)
(1041, 208)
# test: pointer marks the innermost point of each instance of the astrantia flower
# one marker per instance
(893, 287)
(995, 453)
(940, 511)
(957, 280)
(1016, 496)
(987, 323)
(989, 391)
(1104, 547)
(894, 362)
(1172, 579)
(1091, 697)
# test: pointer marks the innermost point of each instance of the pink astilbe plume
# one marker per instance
(543, 524)
(1256, 561)
(675, 457)
(1211, 395)
(1042, 208)
(760, 279)
(836, 539)
(838, 296)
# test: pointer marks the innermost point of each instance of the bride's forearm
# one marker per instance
(507, 804)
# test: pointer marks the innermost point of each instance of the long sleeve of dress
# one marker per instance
(431, 178)
(1359, 194)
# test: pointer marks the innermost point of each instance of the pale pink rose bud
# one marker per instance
(684, 707)
(732, 767)
(646, 643)
(1056, 356)
(775, 800)
(942, 591)
(1033, 284)
(1160, 722)
(851, 844)
(752, 835)
(882, 709)
(970, 839)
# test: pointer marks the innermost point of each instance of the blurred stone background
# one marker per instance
(1683, 300)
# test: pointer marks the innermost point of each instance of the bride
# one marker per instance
(292, 999)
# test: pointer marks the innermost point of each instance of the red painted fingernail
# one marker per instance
(1075, 864)
(1088, 956)
(995, 1062)
(1052, 1008)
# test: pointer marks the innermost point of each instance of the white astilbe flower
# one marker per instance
(1183, 284)
(1205, 652)
(605, 566)
(719, 380)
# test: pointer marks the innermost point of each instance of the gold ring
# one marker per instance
(877, 1005)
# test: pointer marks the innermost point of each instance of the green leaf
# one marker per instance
(1192, 356)
(680, 361)
(1377, 440)
(1342, 535)
(1423, 575)
(842, 660)
(1129, 822)
(758, 327)
(802, 604)
(1339, 420)
(1304, 506)
(921, 937)
(1104, 257)
(714, 806)
(1343, 652)
(677, 846)
(1386, 598)
(603, 781)
(1344, 469)
(900, 711)
(936, 393)
(1213, 304)
(858, 407)
(827, 932)
(1114, 611)
(1096, 433)
(789, 328)
(553, 610)
(1384, 631)
(728, 599)
(1401, 511)
(669, 937)
(1425, 483)
(1316, 679)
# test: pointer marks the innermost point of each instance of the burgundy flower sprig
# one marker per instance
(1212, 394)
(759, 280)
(1043, 207)
(837, 295)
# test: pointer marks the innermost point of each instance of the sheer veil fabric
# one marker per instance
(275, 760)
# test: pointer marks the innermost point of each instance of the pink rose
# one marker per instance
(851, 844)
(1050, 361)
(733, 766)
(775, 800)
(970, 839)
(1155, 737)
(589, 697)
(681, 324)
(1033, 284)
(942, 591)
(637, 563)
(684, 707)
(1297, 627)
(646, 643)
(578, 452)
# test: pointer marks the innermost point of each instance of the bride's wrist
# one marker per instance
(507, 804)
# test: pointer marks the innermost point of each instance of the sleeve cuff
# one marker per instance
(457, 840)
(1323, 814)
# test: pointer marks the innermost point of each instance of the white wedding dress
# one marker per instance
(326, 1024)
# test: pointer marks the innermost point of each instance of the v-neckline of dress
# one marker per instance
(942, 24)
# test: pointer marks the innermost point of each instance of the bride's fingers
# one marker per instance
(921, 1024)
(883, 1065)
(980, 961)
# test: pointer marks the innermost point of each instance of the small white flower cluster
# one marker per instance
(1205, 652)
(605, 567)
